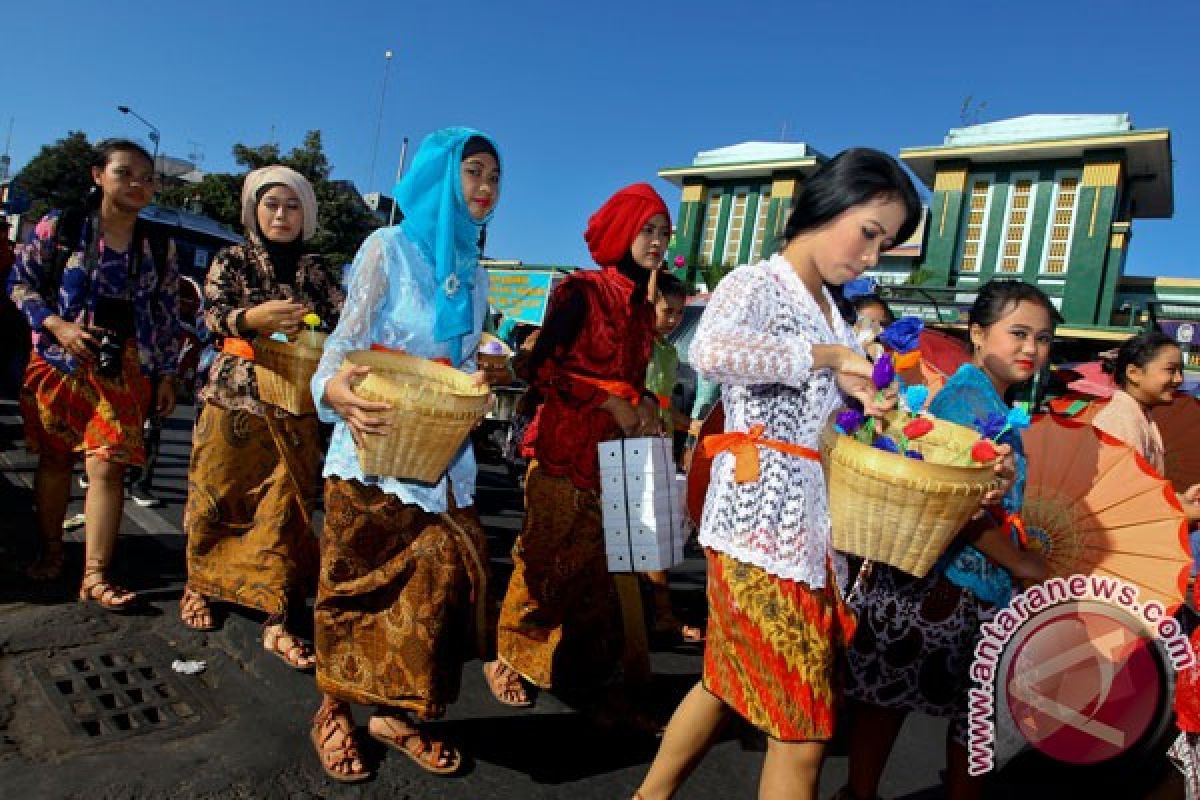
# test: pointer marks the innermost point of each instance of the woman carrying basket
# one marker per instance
(773, 338)
(402, 563)
(560, 622)
(253, 480)
(916, 636)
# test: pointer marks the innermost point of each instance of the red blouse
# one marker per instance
(613, 343)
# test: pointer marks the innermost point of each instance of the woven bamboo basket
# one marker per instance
(433, 411)
(283, 370)
(901, 511)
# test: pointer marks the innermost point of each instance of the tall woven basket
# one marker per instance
(433, 411)
(901, 511)
(283, 370)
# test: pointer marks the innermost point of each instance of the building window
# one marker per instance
(1062, 223)
(1017, 223)
(760, 223)
(979, 200)
(737, 225)
(712, 215)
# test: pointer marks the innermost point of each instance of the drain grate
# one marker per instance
(118, 690)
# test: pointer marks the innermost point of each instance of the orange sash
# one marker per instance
(616, 388)
(378, 348)
(241, 348)
(744, 447)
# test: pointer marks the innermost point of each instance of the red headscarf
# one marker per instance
(612, 229)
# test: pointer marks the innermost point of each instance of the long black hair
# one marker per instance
(1138, 352)
(997, 299)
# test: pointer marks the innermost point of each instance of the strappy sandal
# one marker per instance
(426, 753)
(506, 685)
(49, 564)
(330, 720)
(194, 608)
(288, 648)
(104, 593)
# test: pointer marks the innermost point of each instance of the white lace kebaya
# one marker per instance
(756, 339)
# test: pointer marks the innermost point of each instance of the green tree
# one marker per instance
(59, 175)
(343, 220)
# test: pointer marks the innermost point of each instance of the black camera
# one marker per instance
(108, 355)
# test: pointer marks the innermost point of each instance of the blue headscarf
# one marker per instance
(438, 222)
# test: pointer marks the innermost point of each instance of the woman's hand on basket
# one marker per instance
(1005, 468)
(634, 421)
(284, 316)
(853, 375)
(361, 416)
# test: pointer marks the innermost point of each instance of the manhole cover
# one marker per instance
(118, 690)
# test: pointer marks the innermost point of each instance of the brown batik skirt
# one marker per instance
(400, 599)
(560, 622)
(251, 487)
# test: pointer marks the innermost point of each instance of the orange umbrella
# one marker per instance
(1179, 424)
(1095, 507)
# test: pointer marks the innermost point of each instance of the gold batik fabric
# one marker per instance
(560, 621)
(252, 485)
(400, 596)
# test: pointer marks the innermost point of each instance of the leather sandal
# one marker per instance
(426, 753)
(107, 595)
(288, 648)
(194, 608)
(506, 685)
(330, 721)
(49, 563)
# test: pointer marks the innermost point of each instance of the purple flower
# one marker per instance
(993, 426)
(903, 335)
(850, 420)
(884, 372)
(914, 454)
(886, 444)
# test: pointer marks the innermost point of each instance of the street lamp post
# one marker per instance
(155, 135)
(387, 63)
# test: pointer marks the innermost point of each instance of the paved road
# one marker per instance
(239, 729)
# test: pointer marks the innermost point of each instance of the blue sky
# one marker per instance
(585, 97)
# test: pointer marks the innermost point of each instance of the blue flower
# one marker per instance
(859, 287)
(915, 397)
(914, 454)
(903, 335)
(887, 444)
(993, 426)
(1017, 419)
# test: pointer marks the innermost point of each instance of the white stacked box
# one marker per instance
(642, 504)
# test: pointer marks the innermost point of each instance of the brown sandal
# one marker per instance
(332, 719)
(508, 688)
(49, 564)
(427, 753)
(287, 648)
(104, 593)
(194, 608)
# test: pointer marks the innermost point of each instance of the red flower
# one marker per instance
(917, 427)
(983, 451)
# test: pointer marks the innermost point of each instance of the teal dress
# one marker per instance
(916, 637)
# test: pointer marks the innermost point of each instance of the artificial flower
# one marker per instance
(884, 372)
(993, 426)
(914, 454)
(680, 262)
(1017, 419)
(887, 444)
(983, 451)
(916, 428)
(850, 420)
(859, 287)
(903, 335)
(914, 397)
(312, 320)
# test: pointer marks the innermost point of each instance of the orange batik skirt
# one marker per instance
(82, 412)
(775, 649)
